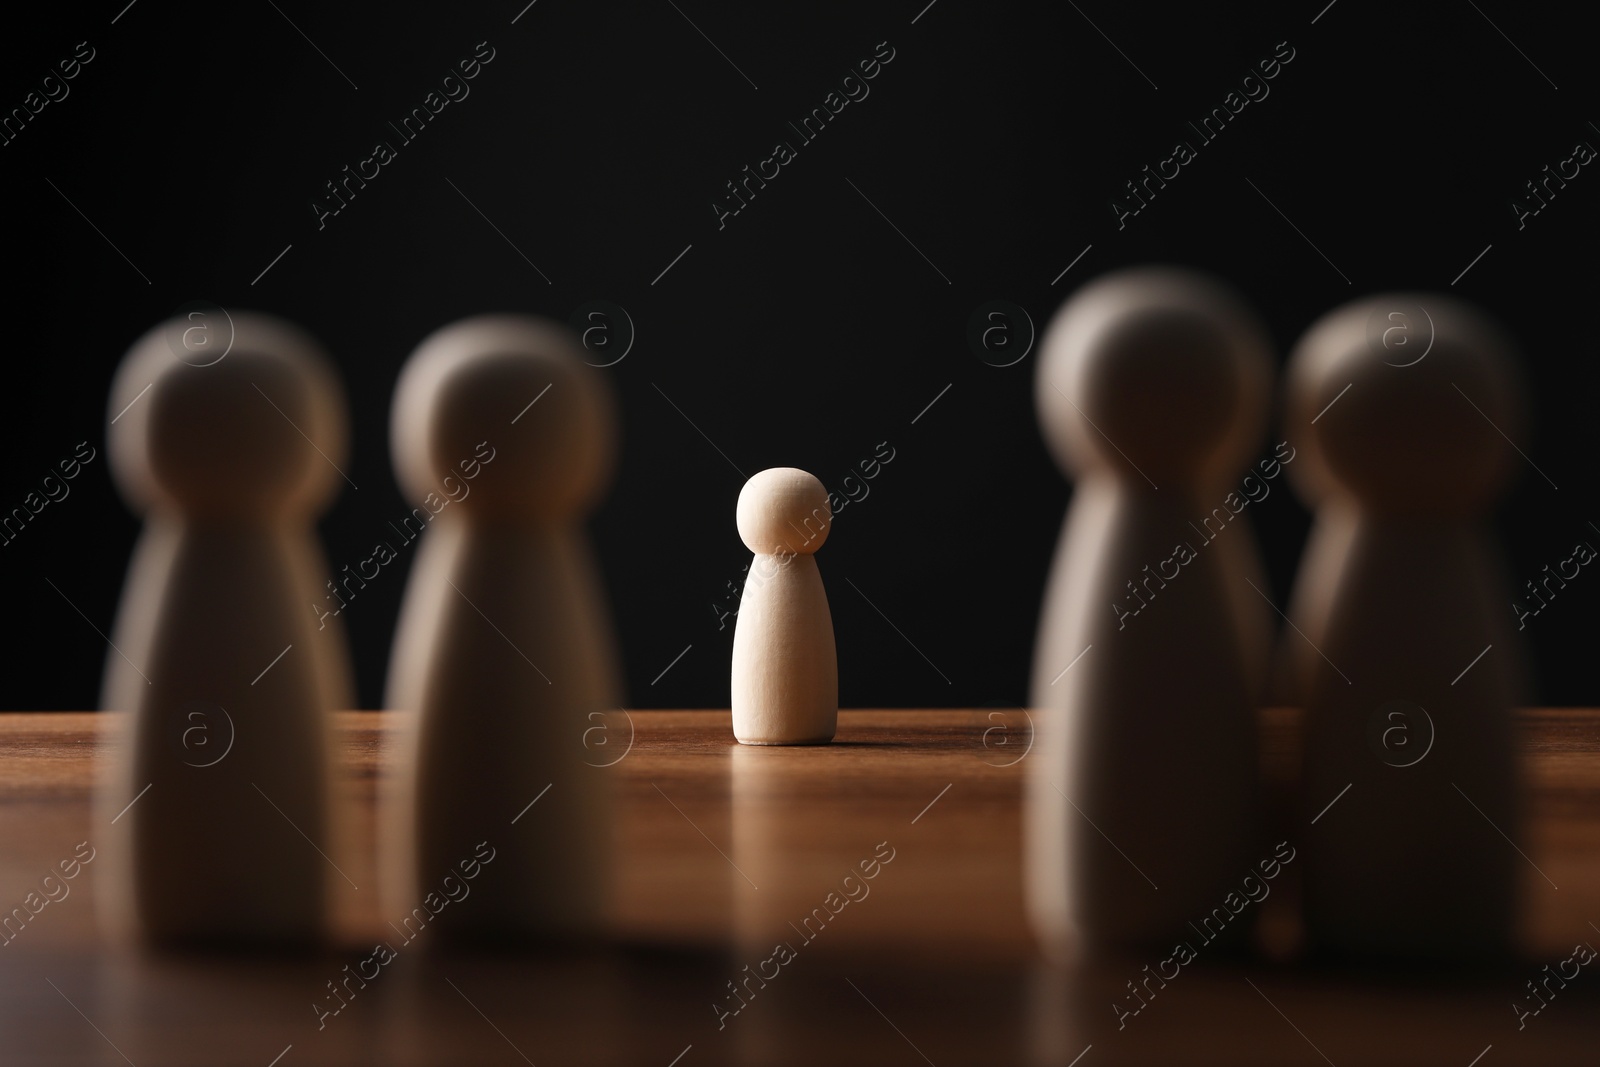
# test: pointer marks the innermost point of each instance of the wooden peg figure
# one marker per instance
(221, 784)
(1410, 776)
(785, 667)
(1151, 385)
(504, 440)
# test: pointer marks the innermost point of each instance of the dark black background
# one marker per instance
(805, 332)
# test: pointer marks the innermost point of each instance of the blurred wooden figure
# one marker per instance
(1409, 779)
(504, 653)
(221, 783)
(1142, 799)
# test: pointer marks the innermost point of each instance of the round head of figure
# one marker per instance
(259, 432)
(500, 415)
(1420, 430)
(1155, 374)
(783, 510)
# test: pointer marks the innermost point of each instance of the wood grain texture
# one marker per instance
(720, 848)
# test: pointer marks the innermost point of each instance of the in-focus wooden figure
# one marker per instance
(785, 686)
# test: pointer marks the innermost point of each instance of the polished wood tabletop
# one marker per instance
(723, 852)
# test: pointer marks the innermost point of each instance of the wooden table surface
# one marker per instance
(721, 847)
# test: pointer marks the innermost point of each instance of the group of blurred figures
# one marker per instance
(1143, 810)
